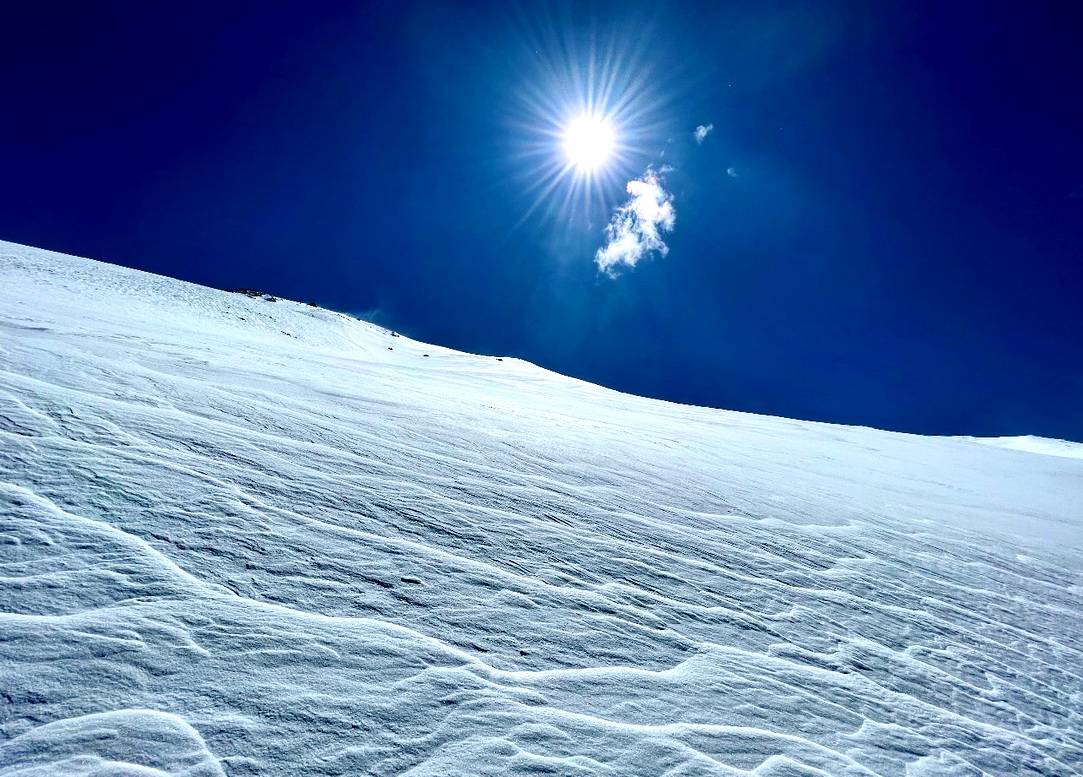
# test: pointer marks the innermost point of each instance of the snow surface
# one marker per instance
(241, 537)
(1031, 444)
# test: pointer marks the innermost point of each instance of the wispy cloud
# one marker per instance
(635, 230)
(701, 133)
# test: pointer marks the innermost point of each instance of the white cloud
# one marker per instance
(701, 133)
(635, 229)
(732, 172)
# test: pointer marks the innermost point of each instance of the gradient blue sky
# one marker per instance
(899, 242)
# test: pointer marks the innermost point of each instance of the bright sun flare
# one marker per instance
(589, 142)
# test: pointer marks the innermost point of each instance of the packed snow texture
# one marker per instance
(244, 537)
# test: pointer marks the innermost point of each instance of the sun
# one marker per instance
(586, 116)
(589, 142)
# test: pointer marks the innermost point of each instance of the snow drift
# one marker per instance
(242, 537)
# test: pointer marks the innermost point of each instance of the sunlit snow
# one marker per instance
(244, 537)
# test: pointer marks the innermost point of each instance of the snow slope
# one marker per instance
(1043, 445)
(241, 537)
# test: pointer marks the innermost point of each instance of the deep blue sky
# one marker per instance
(902, 246)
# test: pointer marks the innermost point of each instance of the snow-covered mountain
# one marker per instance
(252, 537)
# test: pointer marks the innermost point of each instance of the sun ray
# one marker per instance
(589, 115)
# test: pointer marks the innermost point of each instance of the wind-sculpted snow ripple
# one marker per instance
(242, 537)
